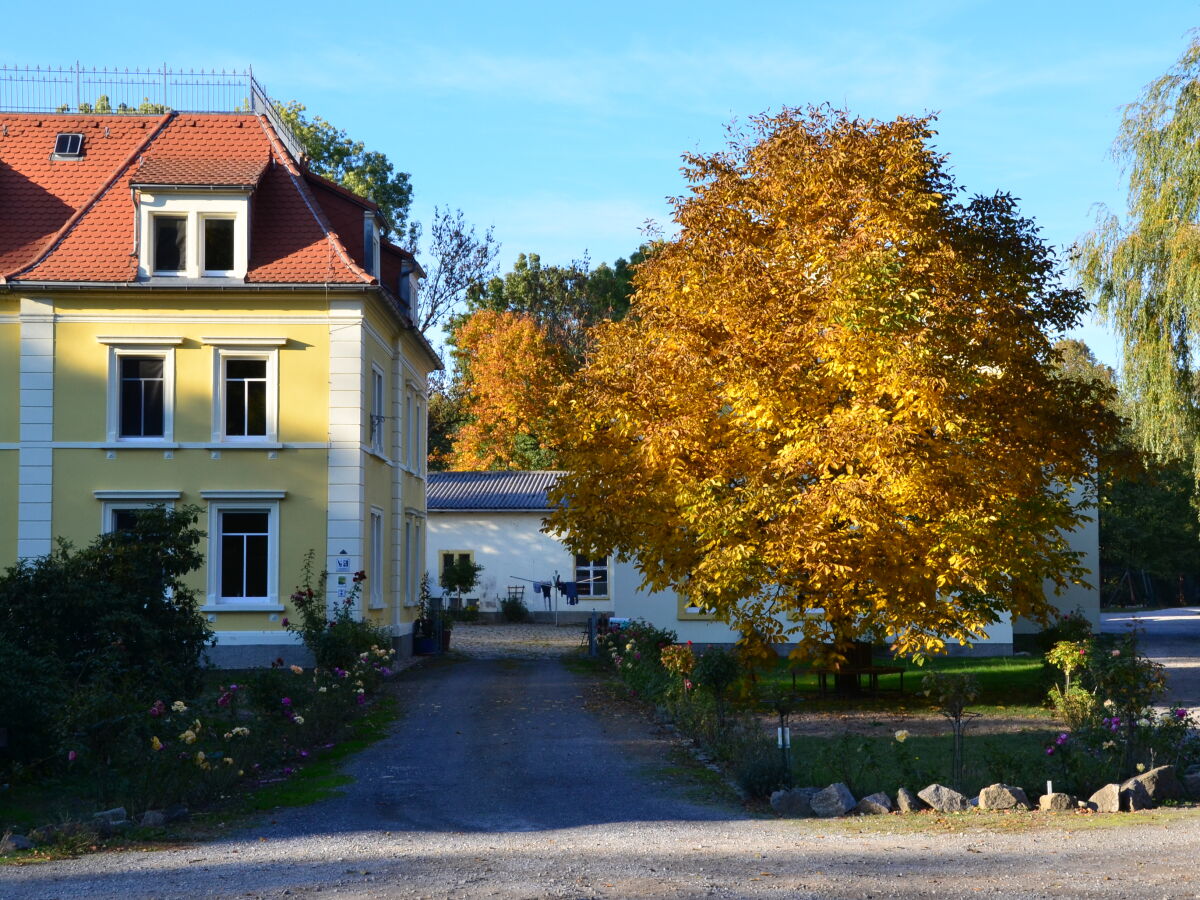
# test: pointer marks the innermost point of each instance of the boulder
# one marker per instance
(794, 804)
(153, 818)
(874, 805)
(176, 813)
(1161, 784)
(1056, 802)
(43, 835)
(1003, 796)
(944, 799)
(113, 816)
(1191, 784)
(835, 800)
(11, 843)
(1134, 796)
(1107, 799)
(908, 802)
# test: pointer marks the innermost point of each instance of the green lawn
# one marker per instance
(1008, 686)
(870, 764)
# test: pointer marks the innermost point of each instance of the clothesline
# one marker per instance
(569, 589)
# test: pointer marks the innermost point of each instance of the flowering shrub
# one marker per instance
(636, 653)
(335, 638)
(1107, 706)
(85, 633)
(679, 660)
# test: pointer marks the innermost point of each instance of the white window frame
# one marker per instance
(111, 501)
(410, 597)
(202, 240)
(409, 428)
(591, 570)
(217, 505)
(265, 349)
(422, 443)
(377, 416)
(152, 240)
(158, 347)
(194, 206)
(375, 536)
(371, 262)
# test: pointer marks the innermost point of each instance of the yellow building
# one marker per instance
(189, 316)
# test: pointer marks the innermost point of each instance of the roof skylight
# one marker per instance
(68, 146)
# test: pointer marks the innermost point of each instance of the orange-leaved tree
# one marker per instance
(508, 373)
(833, 409)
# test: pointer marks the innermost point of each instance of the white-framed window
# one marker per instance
(141, 388)
(377, 419)
(169, 243)
(193, 235)
(375, 572)
(119, 509)
(415, 571)
(410, 429)
(370, 244)
(218, 244)
(410, 593)
(246, 389)
(243, 557)
(591, 576)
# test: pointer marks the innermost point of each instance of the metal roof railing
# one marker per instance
(78, 89)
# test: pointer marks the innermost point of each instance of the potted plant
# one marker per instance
(460, 576)
(425, 626)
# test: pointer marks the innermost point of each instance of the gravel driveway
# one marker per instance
(1168, 636)
(501, 782)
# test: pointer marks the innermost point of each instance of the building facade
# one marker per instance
(189, 316)
(496, 519)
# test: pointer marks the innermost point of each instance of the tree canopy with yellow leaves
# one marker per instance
(833, 409)
(509, 370)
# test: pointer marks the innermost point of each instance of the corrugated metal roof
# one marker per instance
(489, 490)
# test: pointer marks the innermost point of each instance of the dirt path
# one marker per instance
(500, 783)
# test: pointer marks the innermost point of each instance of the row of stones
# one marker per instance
(1141, 792)
(104, 824)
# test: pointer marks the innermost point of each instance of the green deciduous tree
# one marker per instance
(1144, 269)
(835, 395)
(566, 300)
(1149, 533)
(368, 173)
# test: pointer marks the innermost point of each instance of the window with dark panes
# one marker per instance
(245, 397)
(170, 240)
(141, 396)
(124, 519)
(245, 553)
(218, 245)
(591, 575)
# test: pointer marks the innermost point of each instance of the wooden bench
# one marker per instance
(872, 672)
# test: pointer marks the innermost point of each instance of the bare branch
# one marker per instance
(459, 259)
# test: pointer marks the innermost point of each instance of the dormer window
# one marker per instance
(170, 244)
(194, 216)
(68, 145)
(217, 246)
(194, 235)
(370, 244)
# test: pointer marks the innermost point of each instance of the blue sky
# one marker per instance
(561, 124)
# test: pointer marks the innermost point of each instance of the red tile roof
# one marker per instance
(156, 170)
(74, 220)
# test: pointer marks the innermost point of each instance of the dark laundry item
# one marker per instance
(544, 587)
(571, 589)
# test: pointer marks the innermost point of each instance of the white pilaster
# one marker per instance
(35, 457)
(346, 497)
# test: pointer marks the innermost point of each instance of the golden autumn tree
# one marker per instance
(508, 373)
(833, 409)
